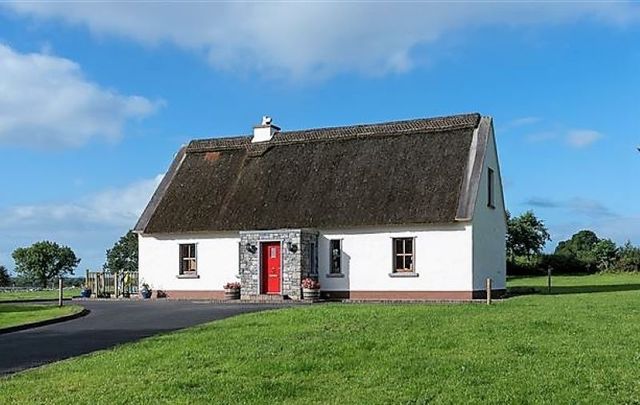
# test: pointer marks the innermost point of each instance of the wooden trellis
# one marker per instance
(107, 285)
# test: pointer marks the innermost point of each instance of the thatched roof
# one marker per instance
(405, 172)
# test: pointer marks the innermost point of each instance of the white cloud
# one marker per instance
(89, 226)
(46, 102)
(314, 39)
(541, 136)
(519, 122)
(119, 207)
(575, 138)
(580, 138)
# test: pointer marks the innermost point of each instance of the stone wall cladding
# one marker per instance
(295, 265)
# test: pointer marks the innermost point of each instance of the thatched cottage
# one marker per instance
(398, 210)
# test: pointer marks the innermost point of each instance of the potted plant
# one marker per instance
(85, 292)
(145, 290)
(232, 291)
(310, 289)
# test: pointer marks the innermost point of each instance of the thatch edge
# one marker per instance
(158, 195)
(471, 182)
(339, 133)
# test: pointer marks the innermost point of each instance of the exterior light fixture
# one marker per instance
(292, 247)
(251, 248)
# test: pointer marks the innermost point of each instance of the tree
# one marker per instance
(605, 253)
(582, 247)
(629, 258)
(123, 256)
(526, 235)
(5, 280)
(44, 261)
(580, 243)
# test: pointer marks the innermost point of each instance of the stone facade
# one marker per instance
(297, 262)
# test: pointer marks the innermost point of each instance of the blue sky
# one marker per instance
(96, 98)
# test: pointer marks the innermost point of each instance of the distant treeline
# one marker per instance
(583, 253)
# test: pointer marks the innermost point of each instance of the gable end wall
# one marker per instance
(489, 225)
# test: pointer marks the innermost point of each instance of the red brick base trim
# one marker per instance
(409, 295)
(194, 295)
(355, 295)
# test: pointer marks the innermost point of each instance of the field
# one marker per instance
(37, 294)
(18, 314)
(580, 344)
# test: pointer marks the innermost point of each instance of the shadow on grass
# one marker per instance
(577, 289)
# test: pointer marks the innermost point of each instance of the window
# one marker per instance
(188, 262)
(313, 266)
(490, 189)
(403, 255)
(336, 256)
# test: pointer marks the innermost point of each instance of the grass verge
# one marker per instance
(20, 314)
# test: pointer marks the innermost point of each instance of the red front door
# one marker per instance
(271, 272)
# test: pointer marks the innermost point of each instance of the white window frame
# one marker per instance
(395, 254)
(181, 260)
(331, 272)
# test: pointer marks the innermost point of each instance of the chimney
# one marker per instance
(265, 131)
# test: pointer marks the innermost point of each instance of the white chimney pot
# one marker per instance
(265, 131)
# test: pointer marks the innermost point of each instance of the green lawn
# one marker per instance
(562, 348)
(38, 295)
(18, 314)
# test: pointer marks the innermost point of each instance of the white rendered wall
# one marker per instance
(217, 256)
(489, 227)
(443, 259)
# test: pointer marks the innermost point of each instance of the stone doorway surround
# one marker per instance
(297, 248)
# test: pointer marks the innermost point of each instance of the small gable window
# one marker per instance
(403, 255)
(336, 256)
(188, 261)
(491, 202)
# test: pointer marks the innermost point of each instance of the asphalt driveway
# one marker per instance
(110, 323)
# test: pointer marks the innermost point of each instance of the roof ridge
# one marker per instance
(388, 128)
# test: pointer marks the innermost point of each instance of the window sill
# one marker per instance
(187, 276)
(404, 274)
(335, 275)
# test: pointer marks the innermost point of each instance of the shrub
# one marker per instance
(232, 286)
(629, 260)
(523, 266)
(565, 264)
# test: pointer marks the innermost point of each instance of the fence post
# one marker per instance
(488, 291)
(60, 291)
(549, 279)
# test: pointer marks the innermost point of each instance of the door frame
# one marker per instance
(260, 265)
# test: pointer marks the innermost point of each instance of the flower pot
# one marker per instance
(85, 293)
(146, 294)
(231, 293)
(311, 294)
